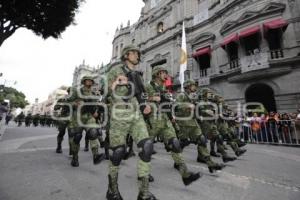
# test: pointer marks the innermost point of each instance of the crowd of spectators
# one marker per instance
(271, 127)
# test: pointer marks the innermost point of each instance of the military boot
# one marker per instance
(215, 167)
(144, 193)
(240, 152)
(214, 154)
(75, 162)
(241, 143)
(191, 178)
(59, 141)
(113, 190)
(227, 158)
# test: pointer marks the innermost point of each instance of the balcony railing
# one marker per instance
(234, 64)
(276, 54)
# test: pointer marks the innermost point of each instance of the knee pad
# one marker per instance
(147, 149)
(174, 145)
(117, 155)
(77, 138)
(201, 140)
(92, 134)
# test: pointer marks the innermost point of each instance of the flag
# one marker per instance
(183, 58)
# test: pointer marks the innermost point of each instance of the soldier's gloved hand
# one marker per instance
(120, 80)
(147, 110)
(95, 115)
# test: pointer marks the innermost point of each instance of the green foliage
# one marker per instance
(16, 98)
(46, 18)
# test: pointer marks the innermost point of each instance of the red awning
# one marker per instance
(249, 31)
(231, 38)
(275, 24)
(202, 51)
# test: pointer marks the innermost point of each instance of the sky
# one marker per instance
(37, 67)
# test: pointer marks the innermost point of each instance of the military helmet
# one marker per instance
(128, 48)
(188, 83)
(87, 78)
(158, 69)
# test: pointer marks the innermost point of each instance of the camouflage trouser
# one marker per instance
(123, 122)
(62, 126)
(210, 129)
(224, 130)
(164, 128)
(88, 123)
(194, 135)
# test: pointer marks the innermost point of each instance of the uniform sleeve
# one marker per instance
(150, 90)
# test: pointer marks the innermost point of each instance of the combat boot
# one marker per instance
(227, 158)
(144, 193)
(113, 190)
(215, 167)
(214, 154)
(97, 158)
(241, 143)
(75, 162)
(191, 178)
(201, 160)
(240, 152)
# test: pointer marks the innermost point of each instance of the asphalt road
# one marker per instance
(31, 170)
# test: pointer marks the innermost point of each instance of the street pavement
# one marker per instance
(31, 170)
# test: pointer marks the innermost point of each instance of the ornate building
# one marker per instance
(245, 50)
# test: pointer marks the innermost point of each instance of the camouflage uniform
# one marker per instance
(224, 128)
(62, 124)
(86, 121)
(126, 118)
(189, 129)
(161, 125)
(210, 128)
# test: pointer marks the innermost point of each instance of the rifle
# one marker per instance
(139, 90)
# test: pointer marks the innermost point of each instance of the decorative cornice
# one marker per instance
(251, 15)
(259, 74)
(204, 37)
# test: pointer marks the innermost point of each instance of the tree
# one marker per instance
(46, 18)
(16, 98)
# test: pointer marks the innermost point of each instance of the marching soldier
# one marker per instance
(85, 114)
(208, 126)
(162, 125)
(62, 124)
(189, 129)
(128, 106)
(223, 126)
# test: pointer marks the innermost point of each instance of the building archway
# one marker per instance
(262, 93)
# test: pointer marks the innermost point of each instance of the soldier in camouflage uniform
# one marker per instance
(62, 123)
(223, 126)
(189, 129)
(162, 125)
(126, 117)
(208, 126)
(83, 118)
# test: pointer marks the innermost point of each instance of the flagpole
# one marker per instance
(183, 58)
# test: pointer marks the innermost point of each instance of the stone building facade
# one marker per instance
(245, 50)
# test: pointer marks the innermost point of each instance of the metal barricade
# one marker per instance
(283, 132)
